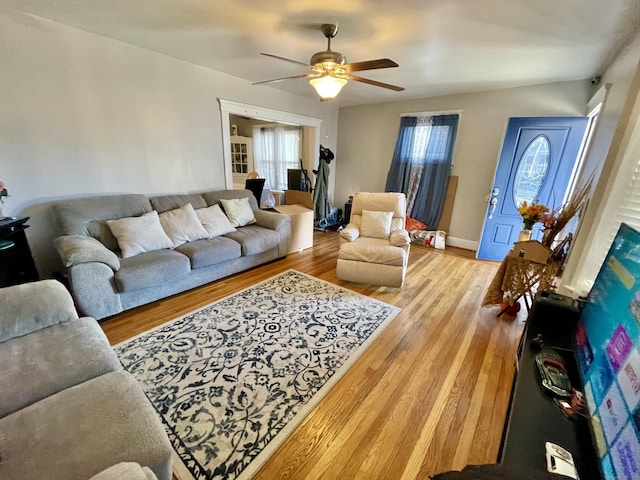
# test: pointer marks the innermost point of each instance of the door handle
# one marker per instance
(494, 202)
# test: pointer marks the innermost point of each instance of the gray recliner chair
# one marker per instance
(67, 408)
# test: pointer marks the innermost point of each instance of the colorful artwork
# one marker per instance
(608, 345)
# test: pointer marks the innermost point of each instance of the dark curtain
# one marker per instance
(435, 161)
(437, 168)
(398, 176)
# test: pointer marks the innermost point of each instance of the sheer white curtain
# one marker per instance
(418, 157)
(276, 149)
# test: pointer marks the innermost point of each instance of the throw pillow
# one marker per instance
(238, 211)
(182, 225)
(376, 224)
(215, 221)
(139, 234)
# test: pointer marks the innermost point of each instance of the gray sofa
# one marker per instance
(104, 284)
(67, 408)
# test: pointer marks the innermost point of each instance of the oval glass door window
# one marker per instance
(532, 171)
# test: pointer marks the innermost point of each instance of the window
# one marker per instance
(532, 171)
(421, 164)
(627, 210)
(276, 149)
(621, 203)
(438, 135)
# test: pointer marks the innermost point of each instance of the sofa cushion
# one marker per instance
(139, 234)
(182, 225)
(203, 253)
(165, 203)
(215, 221)
(84, 430)
(20, 314)
(215, 196)
(47, 361)
(381, 202)
(151, 269)
(238, 211)
(254, 239)
(76, 249)
(87, 216)
(373, 250)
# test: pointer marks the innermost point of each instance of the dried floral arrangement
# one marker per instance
(556, 220)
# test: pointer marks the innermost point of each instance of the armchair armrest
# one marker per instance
(77, 249)
(33, 306)
(350, 233)
(398, 238)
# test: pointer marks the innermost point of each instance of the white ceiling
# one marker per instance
(442, 46)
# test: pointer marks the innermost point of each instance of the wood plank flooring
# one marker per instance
(429, 395)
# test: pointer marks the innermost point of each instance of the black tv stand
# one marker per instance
(533, 417)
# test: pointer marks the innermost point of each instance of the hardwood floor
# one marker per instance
(429, 395)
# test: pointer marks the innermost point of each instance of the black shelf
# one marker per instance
(16, 261)
(533, 417)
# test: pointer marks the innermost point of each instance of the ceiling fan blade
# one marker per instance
(377, 84)
(304, 75)
(369, 65)
(286, 59)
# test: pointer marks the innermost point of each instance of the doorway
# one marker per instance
(228, 108)
(536, 163)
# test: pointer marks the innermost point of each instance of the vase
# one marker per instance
(545, 237)
(525, 235)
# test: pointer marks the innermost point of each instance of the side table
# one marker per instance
(16, 261)
(522, 275)
(301, 226)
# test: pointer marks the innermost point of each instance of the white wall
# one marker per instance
(605, 160)
(83, 114)
(367, 136)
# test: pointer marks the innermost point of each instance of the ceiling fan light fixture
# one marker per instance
(328, 86)
(331, 70)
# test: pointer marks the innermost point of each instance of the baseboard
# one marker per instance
(462, 243)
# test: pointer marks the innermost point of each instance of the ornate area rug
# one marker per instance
(232, 380)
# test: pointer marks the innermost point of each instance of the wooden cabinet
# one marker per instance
(241, 159)
(16, 262)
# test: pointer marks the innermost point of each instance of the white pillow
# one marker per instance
(139, 234)
(182, 225)
(238, 211)
(215, 221)
(376, 224)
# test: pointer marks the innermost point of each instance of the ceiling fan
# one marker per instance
(331, 70)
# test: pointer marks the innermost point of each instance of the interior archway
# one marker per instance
(260, 113)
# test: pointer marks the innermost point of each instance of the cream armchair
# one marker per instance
(374, 246)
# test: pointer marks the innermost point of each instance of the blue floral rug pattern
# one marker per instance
(228, 378)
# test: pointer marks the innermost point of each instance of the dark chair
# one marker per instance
(256, 185)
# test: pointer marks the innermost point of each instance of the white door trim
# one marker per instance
(228, 107)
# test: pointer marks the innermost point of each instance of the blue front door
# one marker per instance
(537, 158)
